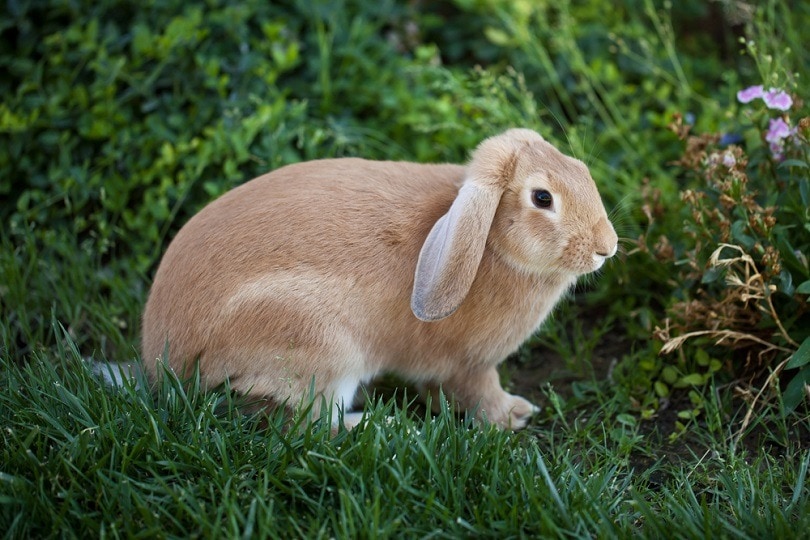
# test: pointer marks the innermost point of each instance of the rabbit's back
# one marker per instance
(329, 240)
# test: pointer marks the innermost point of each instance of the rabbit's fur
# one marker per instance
(323, 274)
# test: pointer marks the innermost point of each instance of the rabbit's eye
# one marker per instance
(542, 198)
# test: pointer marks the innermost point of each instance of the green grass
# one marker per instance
(84, 460)
(119, 122)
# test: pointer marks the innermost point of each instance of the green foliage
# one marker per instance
(729, 256)
(741, 252)
(114, 113)
(140, 116)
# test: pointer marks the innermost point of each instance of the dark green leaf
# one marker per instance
(795, 392)
(712, 274)
(693, 379)
(661, 389)
(702, 357)
(738, 233)
(626, 419)
(789, 256)
(786, 285)
(801, 357)
(793, 163)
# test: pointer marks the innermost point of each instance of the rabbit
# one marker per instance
(321, 275)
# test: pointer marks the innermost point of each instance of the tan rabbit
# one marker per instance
(321, 275)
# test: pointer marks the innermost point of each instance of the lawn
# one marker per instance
(673, 384)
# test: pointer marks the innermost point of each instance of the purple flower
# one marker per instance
(777, 99)
(749, 94)
(774, 98)
(777, 149)
(729, 160)
(779, 132)
(778, 129)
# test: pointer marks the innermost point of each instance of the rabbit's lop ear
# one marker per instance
(452, 252)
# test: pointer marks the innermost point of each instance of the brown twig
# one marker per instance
(750, 412)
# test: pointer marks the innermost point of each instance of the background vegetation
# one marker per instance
(674, 383)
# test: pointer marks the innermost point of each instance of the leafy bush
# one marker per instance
(746, 269)
(738, 265)
(116, 112)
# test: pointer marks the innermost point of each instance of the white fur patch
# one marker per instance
(343, 395)
(114, 374)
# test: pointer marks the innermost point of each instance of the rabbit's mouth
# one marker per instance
(599, 258)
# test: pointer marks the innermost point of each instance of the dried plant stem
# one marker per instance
(675, 343)
(751, 406)
(752, 275)
(747, 281)
(754, 288)
(779, 323)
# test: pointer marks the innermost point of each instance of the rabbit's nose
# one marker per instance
(606, 239)
(608, 253)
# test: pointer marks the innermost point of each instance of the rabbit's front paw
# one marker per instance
(511, 412)
(518, 412)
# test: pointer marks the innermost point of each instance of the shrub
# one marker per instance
(748, 264)
(114, 113)
(738, 266)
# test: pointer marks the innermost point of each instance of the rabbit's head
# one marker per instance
(532, 206)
